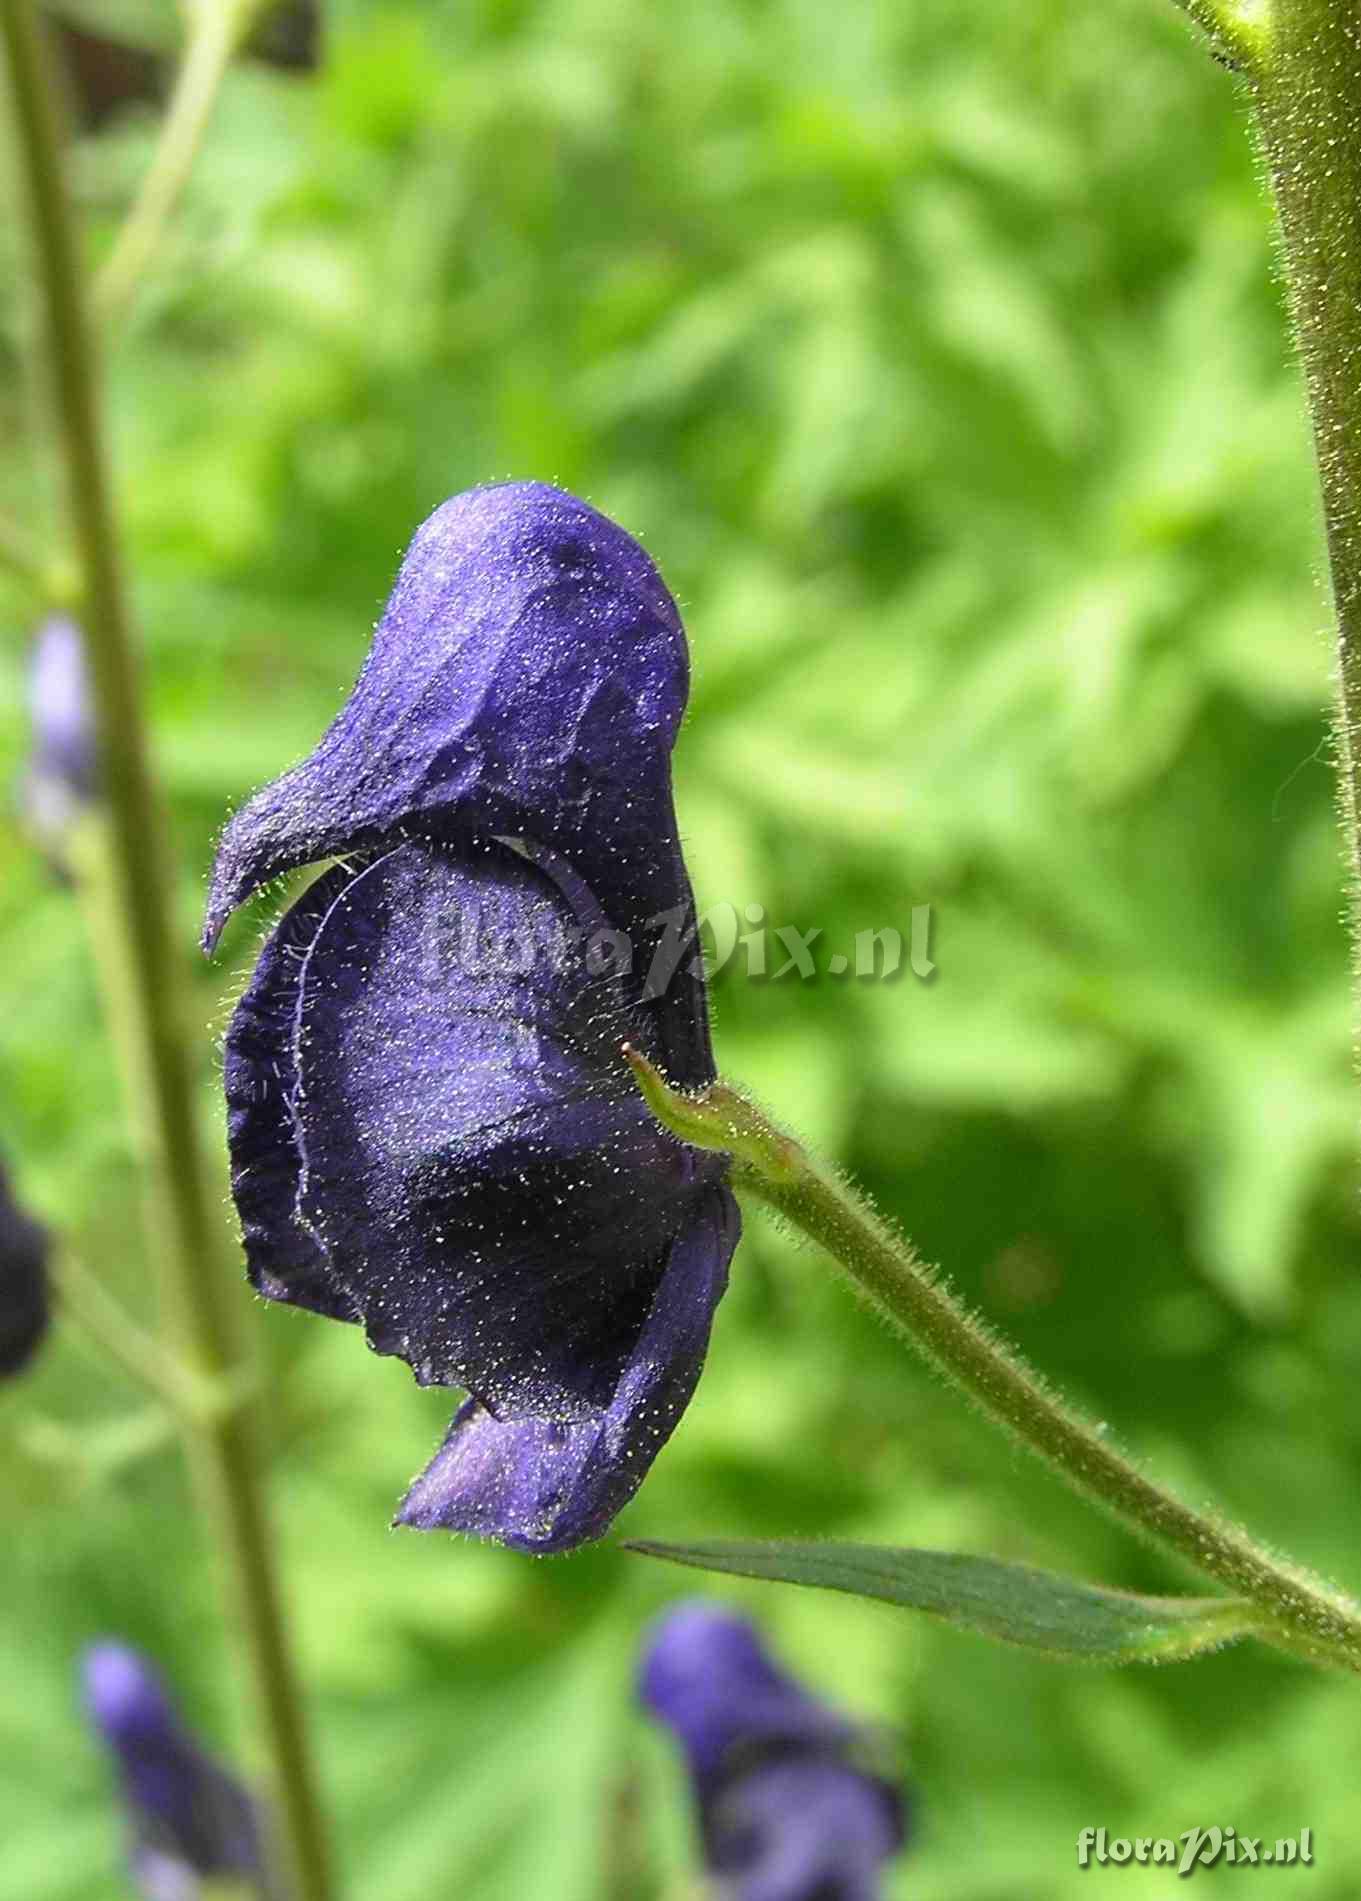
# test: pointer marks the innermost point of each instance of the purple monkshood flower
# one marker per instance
(62, 776)
(23, 1284)
(788, 1808)
(449, 1148)
(188, 1819)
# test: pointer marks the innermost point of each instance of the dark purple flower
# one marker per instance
(188, 1819)
(63, 771)
(23, 1284)
(789, 1809)
(433, 1131)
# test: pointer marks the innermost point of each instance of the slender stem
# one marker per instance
(142, 1357)
(67, 1452)
(103, 1321)
(216, 31)
(1308, 101)
(1001, 1385)
(1305, 1615)
(223, 1445)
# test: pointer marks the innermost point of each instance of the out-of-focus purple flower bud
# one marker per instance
(63, 771)
(24, 1296)
(188, 1819)
(433, 1130)
(789, 1809)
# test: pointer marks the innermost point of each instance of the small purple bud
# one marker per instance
(188, 1818)
(789, 1809)
(23, 1284)
(63, 768)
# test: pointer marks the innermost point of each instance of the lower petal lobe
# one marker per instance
(546, 1484)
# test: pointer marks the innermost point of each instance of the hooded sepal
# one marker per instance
(527, 680)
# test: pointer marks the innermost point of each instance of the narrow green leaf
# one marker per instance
(1012, 1602)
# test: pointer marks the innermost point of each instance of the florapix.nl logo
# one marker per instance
(1205, 1847)
(724, 941)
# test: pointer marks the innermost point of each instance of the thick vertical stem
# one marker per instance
(1307, 90)
(188, 1238)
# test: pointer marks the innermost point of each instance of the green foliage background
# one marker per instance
(935, 352)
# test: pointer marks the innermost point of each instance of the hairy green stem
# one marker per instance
(1307, 94)
(1238, 38)
(223, 1443)
(217, 29)
(1304, 1614)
